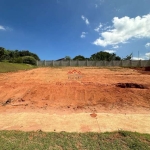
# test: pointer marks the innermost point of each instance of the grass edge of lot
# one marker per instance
(40, 140)
(13, 67)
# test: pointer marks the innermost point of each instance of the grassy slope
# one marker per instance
(121, 140)
(10, 67)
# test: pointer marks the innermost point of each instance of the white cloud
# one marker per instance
(83, 35)
(147, 45)
(107, 28)
(110, 51)
(98, 28)
(147, 55)
(124, 29)
(85, 19)
(143, 57)
(136, 58)
(2, 28)
(115, 46)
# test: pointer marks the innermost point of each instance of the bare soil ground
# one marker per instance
(41, 99)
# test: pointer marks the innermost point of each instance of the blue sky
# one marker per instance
(54, 29)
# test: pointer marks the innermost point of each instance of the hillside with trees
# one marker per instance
(16, 56)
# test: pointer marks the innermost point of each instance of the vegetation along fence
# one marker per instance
(74, 63)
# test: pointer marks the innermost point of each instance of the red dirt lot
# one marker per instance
(51, 90)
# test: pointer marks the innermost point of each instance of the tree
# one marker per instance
(104, 56)
(79, 57)
(2, 50)
(128, 57)
(15, 56)
(67, 58)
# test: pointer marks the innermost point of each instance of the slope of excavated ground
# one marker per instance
(49, 90)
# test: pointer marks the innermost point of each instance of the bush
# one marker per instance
(29, 60)
(16, 60)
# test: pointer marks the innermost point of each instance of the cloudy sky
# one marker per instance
(54, 29)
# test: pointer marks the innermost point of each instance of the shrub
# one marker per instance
(16, 60)
(29, 60)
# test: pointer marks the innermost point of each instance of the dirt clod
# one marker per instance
(93, 115)
(7, 102)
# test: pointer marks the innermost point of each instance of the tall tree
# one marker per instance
(79, 57)
(104, 56)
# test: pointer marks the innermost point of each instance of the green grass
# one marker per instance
(12, 67)
(121, 140)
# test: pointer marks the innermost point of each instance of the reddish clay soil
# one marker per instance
(51, 90)
(97, 90)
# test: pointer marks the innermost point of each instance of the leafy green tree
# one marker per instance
(79, 57)
(104, 56)
(67, 58)
(2, 50)
(27, 53)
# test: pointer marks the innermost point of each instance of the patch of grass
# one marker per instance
(12, 67)
(121, 140)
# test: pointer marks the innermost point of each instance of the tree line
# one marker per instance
(16, 56)
(24, 56)
(100, 56)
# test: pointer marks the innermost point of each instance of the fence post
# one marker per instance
(37, 63)
(112, 63)
(140, 65)
(53, 63)
(86, 62)
(95, 63)
(78, 63)
(45, 62)
(104, 62)
(130, 63)
(121, 63)
(148, 65)
(69, 62)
